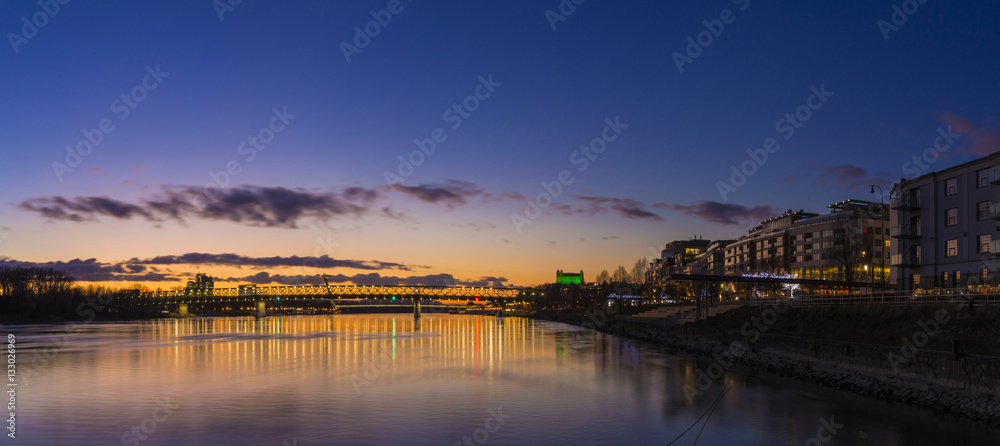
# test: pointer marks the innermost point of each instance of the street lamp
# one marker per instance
(881, 199)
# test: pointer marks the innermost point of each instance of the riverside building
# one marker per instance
(945, 226)
(848, 245)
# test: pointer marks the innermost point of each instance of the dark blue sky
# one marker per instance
(656, 182)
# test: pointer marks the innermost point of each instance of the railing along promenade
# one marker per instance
(938, 296)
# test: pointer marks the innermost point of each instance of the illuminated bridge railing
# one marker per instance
(336, 291)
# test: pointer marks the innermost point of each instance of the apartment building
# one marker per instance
(945, 226)
(674, 257)
(850, 244)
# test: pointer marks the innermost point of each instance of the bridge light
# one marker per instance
(393, 297)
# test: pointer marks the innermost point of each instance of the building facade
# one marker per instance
(849, 244)
(201, 285)
(674, 258)
(945, 227)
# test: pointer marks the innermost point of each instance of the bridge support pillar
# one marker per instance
(261, 308)
(182, 310)
(416, 307)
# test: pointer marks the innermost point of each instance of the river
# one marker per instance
(452, 379)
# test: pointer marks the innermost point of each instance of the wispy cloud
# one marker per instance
(90, 270)
(254, 206)
(443, 279)
(147, 270)
(722, 213)
(977, 140)
(197, 258)
(625, 207)
(475, 226)
(848, 177)
(451, 193)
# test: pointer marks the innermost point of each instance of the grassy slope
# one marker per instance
(978, 334)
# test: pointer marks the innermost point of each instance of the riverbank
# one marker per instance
(910, 372)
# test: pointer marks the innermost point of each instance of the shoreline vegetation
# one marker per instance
(898, 354)
(45, 295)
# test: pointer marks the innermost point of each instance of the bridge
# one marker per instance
(260, 295)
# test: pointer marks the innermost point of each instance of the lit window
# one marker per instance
(951, 248)
(983, 210)
(984, 243)
(951, 217)
(984, 178)
(951, 186)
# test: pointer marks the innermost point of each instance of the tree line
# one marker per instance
(30, 294)
(636, 276)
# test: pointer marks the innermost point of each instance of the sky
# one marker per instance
(461, 143)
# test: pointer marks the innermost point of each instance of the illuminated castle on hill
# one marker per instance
(569, 278)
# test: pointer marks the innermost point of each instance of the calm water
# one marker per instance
(379, 380)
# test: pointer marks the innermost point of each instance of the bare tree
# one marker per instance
(849, 252)
(638, 275)
(620, 275)
(603, 276)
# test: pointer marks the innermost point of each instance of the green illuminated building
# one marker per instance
(569, 278)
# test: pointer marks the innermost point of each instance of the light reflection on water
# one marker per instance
(379, 379)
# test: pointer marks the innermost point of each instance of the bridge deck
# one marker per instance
(333, 291)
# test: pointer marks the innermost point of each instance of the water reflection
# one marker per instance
(390, 379)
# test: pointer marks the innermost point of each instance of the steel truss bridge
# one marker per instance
(244, 294)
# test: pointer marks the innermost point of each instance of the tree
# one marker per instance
(638, 276)
(849, 252)
(620, 275)
(603, 277)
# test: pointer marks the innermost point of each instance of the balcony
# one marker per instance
(906, 201)
(905, 260)
(994, 212)
(994, 175)
(995, 247)
(905, 231)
